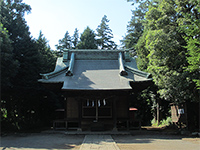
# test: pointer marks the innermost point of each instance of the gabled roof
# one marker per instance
(95, 70)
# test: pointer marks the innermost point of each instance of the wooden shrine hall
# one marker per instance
(96, 85)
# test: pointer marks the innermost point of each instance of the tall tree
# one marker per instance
(65, 43)
(104, 35)
(142, 52)
(21, 66)
(25, 53)
(47, 58)
(12, 13)
(75, 39)
(166, 56)
(189, 25)
(87, 40)
(24, 50)
(135, 26)
(8, 64)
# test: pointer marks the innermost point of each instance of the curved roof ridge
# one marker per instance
(138, 72)
(54, 73)
(95, 50)
(59, 68)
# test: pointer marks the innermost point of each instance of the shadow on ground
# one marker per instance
(41, 141)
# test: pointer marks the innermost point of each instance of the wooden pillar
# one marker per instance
(65, 108)
(79, 114)
(128, 113)
(158, 113)
(97, 110)
(114, 115)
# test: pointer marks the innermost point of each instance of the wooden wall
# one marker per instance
(122, 107)
(72, 108)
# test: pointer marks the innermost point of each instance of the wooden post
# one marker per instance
(128, 113)
(96, 110)
(65, 113)
(65, 108)
(158, 113)
(79, 114)
(186, 115)
(114, 115)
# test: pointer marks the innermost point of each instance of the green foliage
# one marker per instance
(162, 51)
(65, 43)
(104, 35)
(47, 59)
(194, 59)
(87, 40)
(146, 102)
(26, 108)
(154, 122)
(163, 122)
(134, 31)
(142, 53)
(4, 113)
(22, 59)
(189, 26)
(135, 27)
(8, 64)
(24, 50)
(68, 42)
(12, 13)
(75, 39)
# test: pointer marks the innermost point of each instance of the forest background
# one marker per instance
(164, 35)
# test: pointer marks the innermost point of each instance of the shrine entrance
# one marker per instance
(97, 114)
(92, 110)
(96, 109)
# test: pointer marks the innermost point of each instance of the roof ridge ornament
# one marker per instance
(139, 72)
(71, 65)
(122, 71)
(47, 76)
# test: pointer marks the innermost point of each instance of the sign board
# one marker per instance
(180, 111)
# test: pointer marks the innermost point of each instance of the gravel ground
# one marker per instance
(44, 141)
(41, 142)
(156, 142)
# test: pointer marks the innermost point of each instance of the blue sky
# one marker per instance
(55, 17)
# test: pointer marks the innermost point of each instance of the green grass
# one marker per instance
(164, 122)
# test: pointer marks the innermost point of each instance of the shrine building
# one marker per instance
(96, 86)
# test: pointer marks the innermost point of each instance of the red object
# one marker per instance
(132, 108)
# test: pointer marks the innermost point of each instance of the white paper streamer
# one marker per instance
(88, 102)
(99, 103)
(104, 102)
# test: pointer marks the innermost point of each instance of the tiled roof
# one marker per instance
(95, 70)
